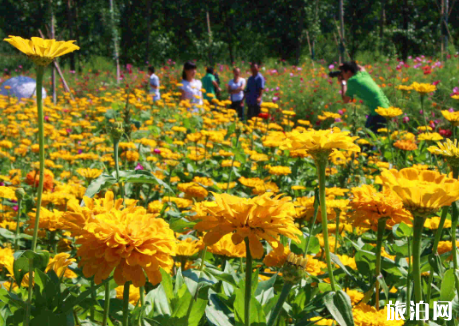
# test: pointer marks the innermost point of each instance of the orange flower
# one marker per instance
(33, 179)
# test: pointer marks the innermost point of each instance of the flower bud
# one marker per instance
(20, 193)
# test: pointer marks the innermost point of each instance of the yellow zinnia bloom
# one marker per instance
(128, 241)
(263, 217)
(423, 88)
(449, 150)
(42, 52)
(188, 247)
(89, 173)
(452, 117)
(226, 247)
(320, 142)
(430, 136)
(422, 192)
(369, 206)
(134, 294)
(390, 112)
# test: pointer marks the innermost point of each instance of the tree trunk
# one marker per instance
(341, 23)
(53, 71)
(70, 24)
(147, 49)
(115, 41)
(209, 31)
(405, 28)
(382, 21)
(300, 37)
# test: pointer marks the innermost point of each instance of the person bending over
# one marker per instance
(356, 81)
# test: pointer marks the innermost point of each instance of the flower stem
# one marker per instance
(313, 220)
(41, 158)
(18, 220)
(142, 304)
(321, 164)
(418, 225)
(444, 213)
(280, 302)
(41, 154)
(248, 283)
(381, 229)
(107, 304)
(126, 303)
(454, 219)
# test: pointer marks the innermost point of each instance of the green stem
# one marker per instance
(126, 304)
(454, 219)
(117, 168)
(381, 229)
(30, 293)
(41, 154)
(408, 280)
(248, 283)
(438, 234)
(321, 164)
(313, 221)
(337, 230)
(280, 302)
(107, 304)
(41, 158)
(142, 304)
(18, 220)
(418, 225)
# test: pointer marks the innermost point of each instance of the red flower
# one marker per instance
(264, 115)
(445, 132)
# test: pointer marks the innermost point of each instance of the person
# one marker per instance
(356, 81)
(154, 84)
(236, 91)
(209, 83)
(191, 87)
(254, 92)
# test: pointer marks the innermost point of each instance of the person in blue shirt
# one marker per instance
(154, 84)
(254, 92)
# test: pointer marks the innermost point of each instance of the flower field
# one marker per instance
(153, 215)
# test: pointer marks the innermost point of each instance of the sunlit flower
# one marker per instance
(263, 217)
(41, 51)
(390, 112)
(449, 150)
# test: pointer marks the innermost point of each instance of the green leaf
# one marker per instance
(340, 307)
(97, 185)
(383, 284)
(265, 285)
(257, 314)
(221, 276)
(181, 225)
(217, 312)
(21, 264)
(448, 286)
(47, 317)
(167, 285)
(402, 230)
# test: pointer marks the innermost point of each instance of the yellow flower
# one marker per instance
(365, 315)
(320, 321)
(276, 258)
(404, 88)
(42, 52)
(134, 295)
(263, 217)
(320, 142)
(422, 192)
(434, 222)
(279, 170)
(355, 296)
(406, 145)
(49, 220)
(129, 241)
(226, 247)
(348, 261)
(445, 246)
(390, 112)
(298, 187)
(423, 88)
(89, 173)
(193, 190)
(449, 150)
(59, 264)
(369, 205)
(7, 193)
(452, 117)
(430, 136)
(188, 247)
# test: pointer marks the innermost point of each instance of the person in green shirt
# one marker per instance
(209, 83)
(356, 81)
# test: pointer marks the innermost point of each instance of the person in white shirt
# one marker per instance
(191, 87)
(236, 91)
(154, 84)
